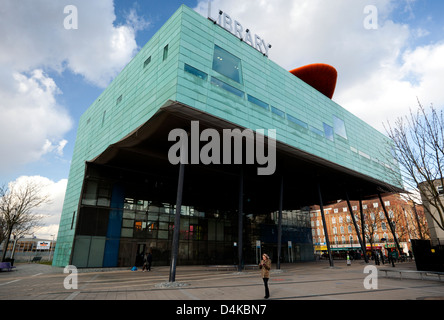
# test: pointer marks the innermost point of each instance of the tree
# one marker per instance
(17, 204)
(418, 145)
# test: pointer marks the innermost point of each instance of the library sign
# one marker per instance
(235, 28)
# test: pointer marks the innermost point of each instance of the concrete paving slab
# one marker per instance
(299, 281)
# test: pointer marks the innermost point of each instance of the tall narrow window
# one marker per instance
(165, 52)
(339, 127)
(103, 117)
(328, 130)
(147, 61)
(119, 99)
(72, 221)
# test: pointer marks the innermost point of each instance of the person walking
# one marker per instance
(147, 259)
(265, 267)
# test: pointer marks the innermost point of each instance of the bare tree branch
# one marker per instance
(418, 144)
(17, 204)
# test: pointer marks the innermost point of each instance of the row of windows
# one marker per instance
(229, 66)
(354, 208)
(353, 240)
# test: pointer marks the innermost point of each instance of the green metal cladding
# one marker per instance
(177, 65)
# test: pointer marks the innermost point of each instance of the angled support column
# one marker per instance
(325, 226)
(362, 224)
(240, 220)
(281, 198)
(175, 245)
(356, 228)
(389, 222)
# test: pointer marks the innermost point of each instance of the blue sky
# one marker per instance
(49, 75)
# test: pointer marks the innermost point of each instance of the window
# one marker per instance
(328, 131)
(165, 52)
(440, 190)
(350, 229)
(278, 112)
(257, 102)
(119, 100)
(297, 121)
(339, 127)
(227, 64)
(227, 87)
(317, 131)
(73, 218)
(103, 117)
(147, 62)
(195, 72)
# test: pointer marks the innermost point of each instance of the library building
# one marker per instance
(205, 151)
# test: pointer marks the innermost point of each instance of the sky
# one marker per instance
(388, 53)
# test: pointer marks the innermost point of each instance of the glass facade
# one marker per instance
(118, 225)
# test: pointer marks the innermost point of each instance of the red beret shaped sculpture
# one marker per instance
(320, 76)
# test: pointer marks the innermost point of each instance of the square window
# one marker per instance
(227, 64)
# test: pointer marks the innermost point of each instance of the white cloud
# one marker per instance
(35, 43)
(30, 118)
(379, 73)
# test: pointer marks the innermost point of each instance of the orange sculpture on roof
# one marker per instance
(320, 76)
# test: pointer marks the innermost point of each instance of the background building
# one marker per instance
(436, 231)
(122, 191)
(378, 236)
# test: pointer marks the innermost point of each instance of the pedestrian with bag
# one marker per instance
(265, 267)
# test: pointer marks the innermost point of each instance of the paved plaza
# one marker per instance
(300, 281)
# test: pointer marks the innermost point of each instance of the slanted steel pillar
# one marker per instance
(325, 226)
(175, 246)
(389, 222)
(356, 228)
(362, 224)
(240, 220)
(281, 197)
